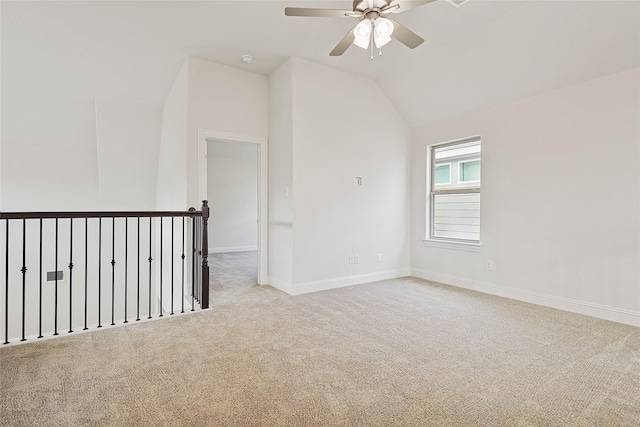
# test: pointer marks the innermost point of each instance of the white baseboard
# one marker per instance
(337, 282)
(280, 285)
(614, 314)
(232, 249)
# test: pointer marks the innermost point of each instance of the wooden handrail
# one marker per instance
(97, 214)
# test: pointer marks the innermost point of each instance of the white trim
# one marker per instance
(223, 250)
(458, 246)
(600, 311)
(280, 285)
(263, 175)
(451, 188)
(340, 282)
(31, 339)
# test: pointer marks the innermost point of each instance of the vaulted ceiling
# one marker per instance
(480, 54)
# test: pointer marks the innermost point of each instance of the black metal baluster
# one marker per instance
(55, 315)
(70, 275)
(172, 262)
(161, 264)
(113, 269)
(138, 263)
(86, 265)
(6, 290)
(126, 265)
(182, 294)
(150, 260)
(100, 272)
(24, 273)
(40, 287)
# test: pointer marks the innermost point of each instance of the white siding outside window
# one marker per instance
(456, 216)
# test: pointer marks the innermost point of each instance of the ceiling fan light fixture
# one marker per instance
(383, 28)
(362, 34)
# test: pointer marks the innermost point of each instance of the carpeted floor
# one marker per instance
(401, 352)
(232, 275)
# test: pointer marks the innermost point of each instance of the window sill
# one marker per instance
(458, 246)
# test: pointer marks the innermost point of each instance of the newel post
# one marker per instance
(204, 300)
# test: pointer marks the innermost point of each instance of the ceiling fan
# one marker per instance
(374, 28)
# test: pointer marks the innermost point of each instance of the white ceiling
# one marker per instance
(483, 53)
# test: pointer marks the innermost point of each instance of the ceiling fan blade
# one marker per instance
(405, 35)
(399, 6)
(321, 13)
(344, 44)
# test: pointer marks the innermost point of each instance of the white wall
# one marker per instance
(560, 200)
(49, 153)
(232, 190)
(65, 154)
(0, 117)
(281, 186)
(222, 99)
(171, 187)
(344, 126)
(210, 96)
(128, 148)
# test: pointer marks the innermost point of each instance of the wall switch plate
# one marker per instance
(379, 257)
(358, 181)
(351, 259)
(356, 259)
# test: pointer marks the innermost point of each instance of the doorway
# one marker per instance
(232, 192)
(219, 152)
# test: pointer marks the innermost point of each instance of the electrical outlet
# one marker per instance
(489, 266)
(53, 275)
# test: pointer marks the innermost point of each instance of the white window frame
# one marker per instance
(432, 191)
(450, 174)
(462, 162)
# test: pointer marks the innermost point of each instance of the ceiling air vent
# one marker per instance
(456, 3)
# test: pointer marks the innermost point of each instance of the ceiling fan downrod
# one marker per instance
(371, 40)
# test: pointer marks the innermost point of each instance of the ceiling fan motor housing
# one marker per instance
(369, 5)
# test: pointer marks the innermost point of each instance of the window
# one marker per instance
(442, 174)
(470, 171)
(454, 191)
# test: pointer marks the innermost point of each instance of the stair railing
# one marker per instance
(103, 255)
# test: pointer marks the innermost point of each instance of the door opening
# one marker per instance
(232, 192)
(232, 176)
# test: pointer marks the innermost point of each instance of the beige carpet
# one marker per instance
(232, 275)
(400, 352)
